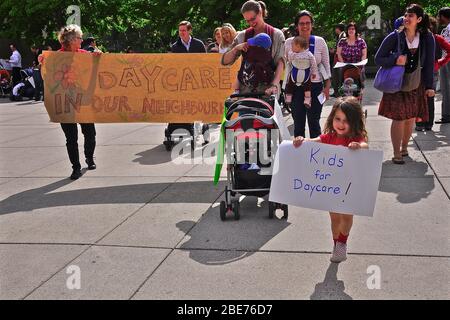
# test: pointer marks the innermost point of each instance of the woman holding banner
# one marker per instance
(71, 38)
(304, 24)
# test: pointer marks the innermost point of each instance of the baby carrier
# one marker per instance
(257, 65)
(300, 71)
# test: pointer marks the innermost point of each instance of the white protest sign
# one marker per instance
(279, 120)
(358, 64)
(326, 177)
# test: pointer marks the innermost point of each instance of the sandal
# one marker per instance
(398, 160)
(405, 153)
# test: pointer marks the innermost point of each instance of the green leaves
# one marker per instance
(150, 25)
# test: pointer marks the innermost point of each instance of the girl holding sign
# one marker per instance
(345, 127)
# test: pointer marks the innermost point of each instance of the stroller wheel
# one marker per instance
(272, 209)
(223, 210)
(168, 145)
(284, 207)
(235, 207)
(287, 106)
(205, 133)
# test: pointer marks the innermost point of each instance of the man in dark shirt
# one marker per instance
(186, 43)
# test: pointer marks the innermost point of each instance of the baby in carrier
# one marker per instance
(302, 68)
(257, 67)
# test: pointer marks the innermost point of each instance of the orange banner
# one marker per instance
(176, 88)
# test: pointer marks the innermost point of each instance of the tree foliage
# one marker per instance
(150, 25)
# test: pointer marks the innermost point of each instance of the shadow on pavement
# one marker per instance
(331, 288)
(160, 155)
(48, 196)
(155, 156)
(410, 190)
(215, 242)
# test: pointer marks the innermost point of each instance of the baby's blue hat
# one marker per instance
(261, 40)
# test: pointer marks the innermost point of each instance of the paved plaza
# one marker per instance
(141, 227)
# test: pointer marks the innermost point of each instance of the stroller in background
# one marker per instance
(352, 84)
(25, 88)
(249, 179)
(177, 132)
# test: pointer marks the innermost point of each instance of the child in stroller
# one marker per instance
(25, 88)
(352, 83)
(249, 123)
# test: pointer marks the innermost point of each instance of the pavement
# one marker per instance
(143, 227)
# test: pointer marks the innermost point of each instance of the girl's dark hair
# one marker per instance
(352, 109)
(423, 25)
(352, 24)
(255, 6)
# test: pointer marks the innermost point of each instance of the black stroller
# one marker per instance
(25, 88)
(249, 123)
(177, 132)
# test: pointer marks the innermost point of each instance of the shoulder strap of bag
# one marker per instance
(249, 33)
(312, 43)
(398, 42)
(270, 31)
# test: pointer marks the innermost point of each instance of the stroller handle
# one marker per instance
(248, 95)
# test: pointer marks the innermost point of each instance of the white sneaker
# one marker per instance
(339, 252)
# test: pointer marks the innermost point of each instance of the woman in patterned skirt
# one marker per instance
(404, 107)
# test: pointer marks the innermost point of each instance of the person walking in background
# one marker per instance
(16, 64)
(336, 72)
(318, 47)
(439, 62)
(214, 46)
(344, 127)
(185, 42)
(444, 20)
(228, 34)
(37, 77)
(352, 49)
(90, 44)
(405, 106)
